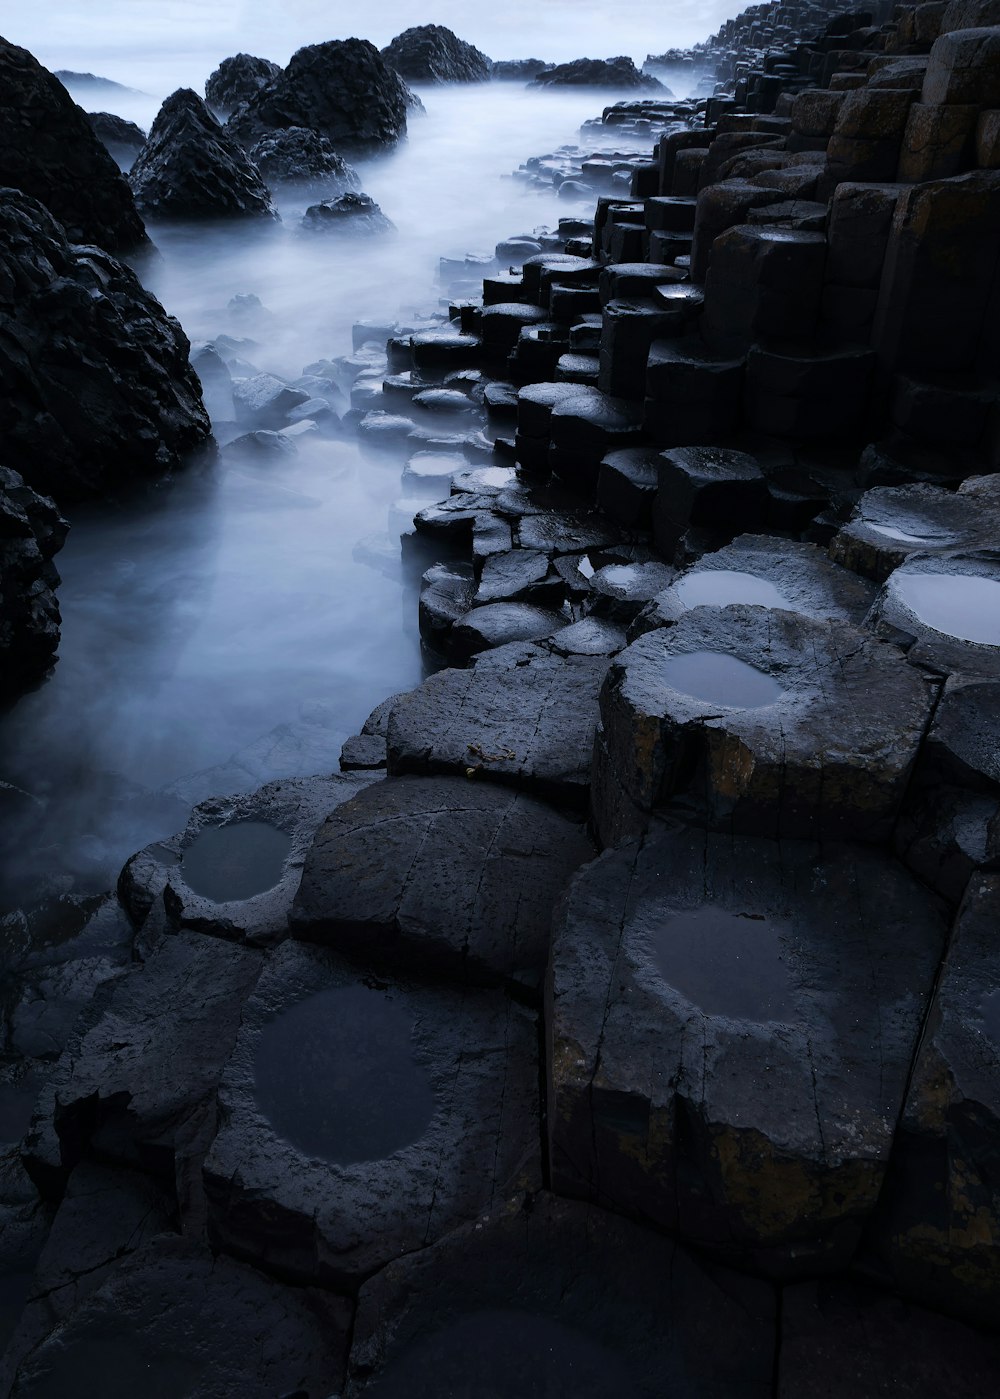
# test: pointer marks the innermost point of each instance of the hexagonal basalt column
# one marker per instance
(361, 1120)
(730, 1026)
(779, 725)
(948, 604)
(890, 523)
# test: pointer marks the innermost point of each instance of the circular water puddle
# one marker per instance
(336, 1076)
(228, 863)
(722, 587)
(720, 679)
(962, 605)
(728, 964)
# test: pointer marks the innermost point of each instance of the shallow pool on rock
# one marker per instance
(720, 679)
(728, 964)
(963, 605)
(227, 863)
(336, 1075)
(721, 587)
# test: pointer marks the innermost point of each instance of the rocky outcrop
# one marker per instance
(236, 80)
(348, 213)
(49, 150)
(297, 155)
(122, 139)
(343, 89)
(430, 53)
(97, 387)
(517, 69)
(31, 532)
(597, 72)
(192, 168)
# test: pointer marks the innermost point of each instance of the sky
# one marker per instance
(138, 39)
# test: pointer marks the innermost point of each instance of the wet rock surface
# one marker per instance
(724, 1058)
(892, 522)
(945, 606)
(237, 80)
(362, 1120)
(297, 155)
(51, 153)
(137, 413)
(343, 90)
(430, 53)
(443, 876)
(349, 213)
(31, 532)
(192, 168)
(557, 1298)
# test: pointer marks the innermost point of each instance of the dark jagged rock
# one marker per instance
(236, 80)
(517, 69)
(31, 532)
(343, 89)
(597, 72)
(98, 389)
(301, 156)
(122, 139)
(430, 53)
(349, 213)
(49, 150)
(191, 168)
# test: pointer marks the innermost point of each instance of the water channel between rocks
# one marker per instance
(237, 624)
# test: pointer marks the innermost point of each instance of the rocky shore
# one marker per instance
(623, 1018)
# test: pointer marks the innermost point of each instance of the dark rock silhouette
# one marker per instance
(192, 168)
(300, 155)
(430, 53)
(349, 213)
(236, 80)
(597, 72)
(97, 386)
(49, 150)
(31, 532)
(122, 139)
(343, 89)
(517, 69)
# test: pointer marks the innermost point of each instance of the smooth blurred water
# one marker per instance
(237, 624)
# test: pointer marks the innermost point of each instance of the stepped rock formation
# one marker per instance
(97, 387)
(429, 53)
(49, 150)
(192, 168)
(236, 80)
(343, 90)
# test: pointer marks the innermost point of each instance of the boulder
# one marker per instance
(236, 80)
(517, 70)
(724, 1060)
(192, 169)
(349, 214)
(365, 1118)
(49, 151)
(555, 1297)
(618, 72)
(711, 488)
(31, 532)
(296, 155)
(441, 876)
(342, 89)
(778, 724)
(122, 139)
(430, 53)
(98, 388)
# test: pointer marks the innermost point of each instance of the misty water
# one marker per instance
(237, 624)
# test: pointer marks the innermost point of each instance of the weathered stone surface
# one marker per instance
(31, 532)
(238, 79)
(805, 394)
(692, 395)
(760, 571)
(343, 89)
(192, 168)
(233, 871)
(297, 155)
(963, 743)
(512, 576)
(362, 1121)
(731, 1027)
(938, 141)
(619, 591)
(441, 876)
(890, 523)
(347, 214)
(528, 725)
(98, 389)
(783, 726)
(122, 139)
(964, 68)
(626, 485)
(706, 487)
(430, 53)
(555, 1297)
(938, 1222)
(202, 1326)
(138, 1085)
(860, 222)
(597, 72)
(763, 282)
(446, 593)
(498, 623)
(948, 605)
(49, 150)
